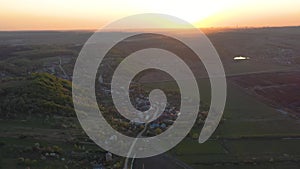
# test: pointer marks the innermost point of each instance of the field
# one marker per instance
(277, 89)
(250, 135)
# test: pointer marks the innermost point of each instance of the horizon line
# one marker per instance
(120, 29)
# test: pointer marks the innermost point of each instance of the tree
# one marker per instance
(158, 131)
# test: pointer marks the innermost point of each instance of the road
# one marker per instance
(62, 69)
(159, 162)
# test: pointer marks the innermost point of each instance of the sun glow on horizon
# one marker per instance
(93, 14)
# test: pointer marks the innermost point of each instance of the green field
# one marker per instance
(250, 135)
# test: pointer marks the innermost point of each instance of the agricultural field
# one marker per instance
(276, 89)
(250, 135)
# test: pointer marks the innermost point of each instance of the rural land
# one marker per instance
(260, 127)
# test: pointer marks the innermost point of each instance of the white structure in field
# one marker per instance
(238, 58)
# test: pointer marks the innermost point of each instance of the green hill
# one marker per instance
(37, 94)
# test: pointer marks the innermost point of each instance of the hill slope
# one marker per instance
(37, 94)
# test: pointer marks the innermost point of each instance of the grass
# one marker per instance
(12, 150)
(246, 116)
(266, 146)
(192, 147)
(257, 166)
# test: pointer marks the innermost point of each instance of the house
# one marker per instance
(163, 126)
(136, 123)
(100, 80)
(154, 125)
(98, 166)
(108, 156)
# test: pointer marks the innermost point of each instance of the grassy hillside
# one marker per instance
(37, 94)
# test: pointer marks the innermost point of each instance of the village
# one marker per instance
(140, 100)
(142, 103)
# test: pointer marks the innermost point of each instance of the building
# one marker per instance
(98, 166)
(108, 156)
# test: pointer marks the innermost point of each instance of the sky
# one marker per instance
(94, 14)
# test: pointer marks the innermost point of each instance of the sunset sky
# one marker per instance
(93, 14)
